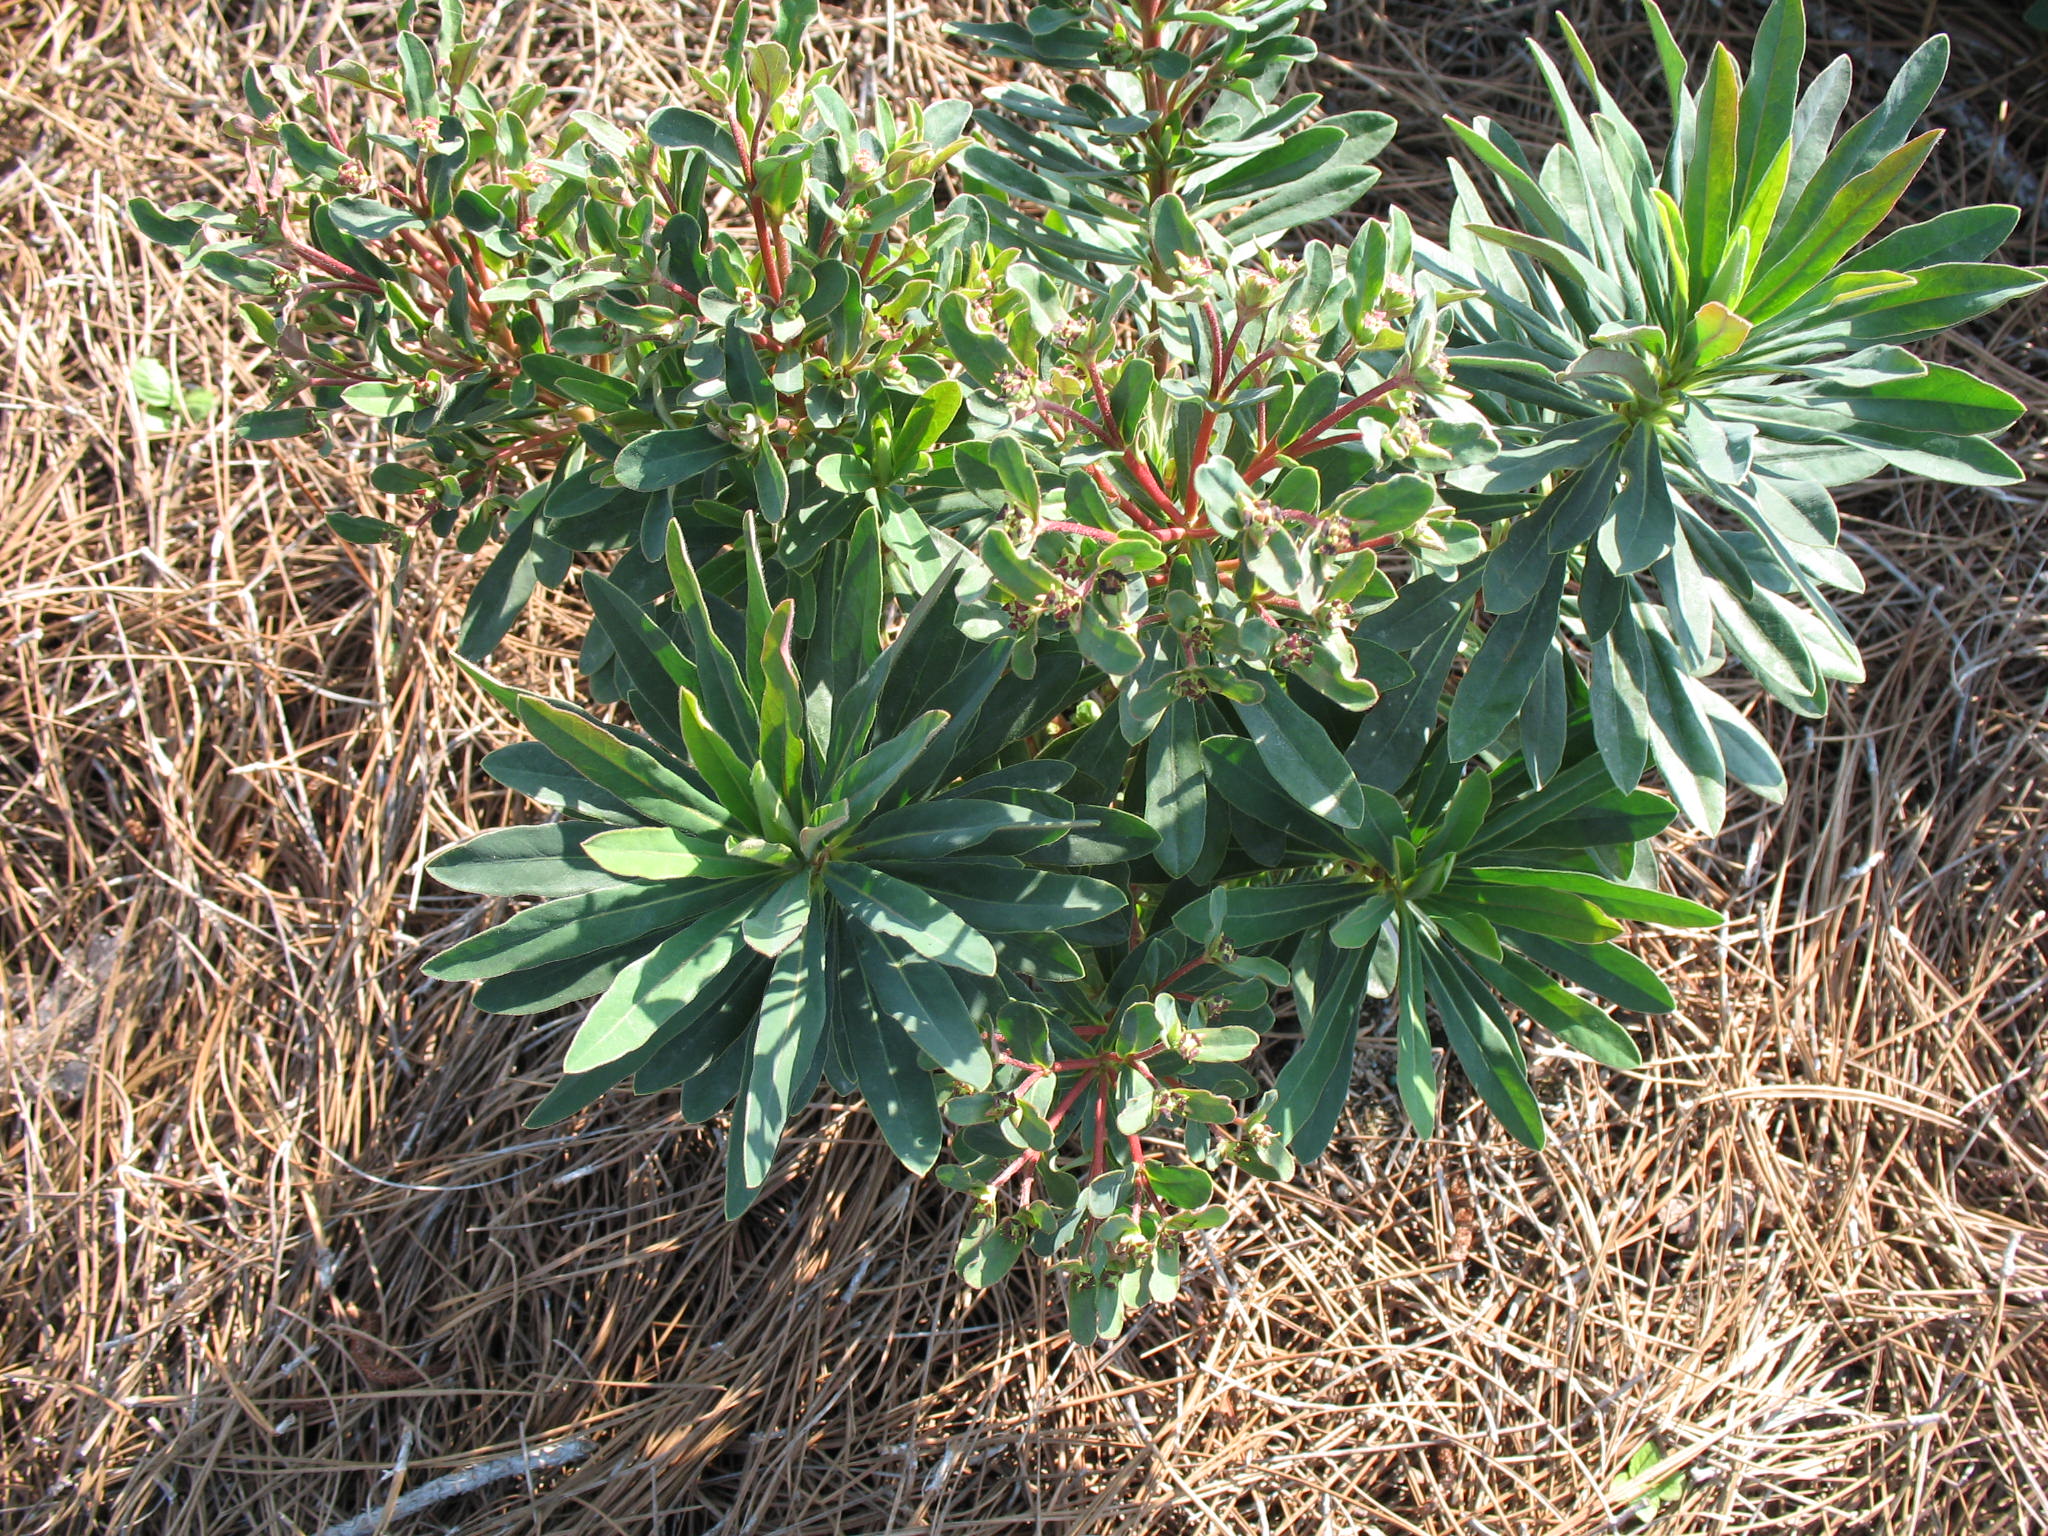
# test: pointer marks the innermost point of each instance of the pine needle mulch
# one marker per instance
(278, 1257)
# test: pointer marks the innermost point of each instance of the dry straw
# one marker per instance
(277, 1252)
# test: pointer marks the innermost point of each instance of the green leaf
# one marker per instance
(903, 911)
(1939, 399)
(1490, 695)
(1632, 903)
(1712, 172)
(416, 76)
(682, 128)
(1001, 897)
(1565, 1014)
(1176, 788)
(1234, 768)
(1112, 649)
(1110, 837)
(1302, 758)
(497, 600)
(663, 853)
(1520, 564)
(653, 988)
(1612, 820)
(1020, 482)
(662, 459)
(1312, 1088)
(1638, 1484)
(573, 926)
(1960, 235)
(728, 706)
(535, 772)
(783, 1068)
(1686, 750)
(987, 1252)
(381, 400)
(546, 860)
(577, 1091)
(270, 426)
(1854, 212)
(645, 651)
(782, 706)
(161, 228)
(936, 828)
(1261, 914)
(1574, 445)
(1717, 334)
(926, 1001)
(1510, 821)
(1621, 714)
(579, 383)
(869, 778)
(697, 1039)
(1180, 1184)
(1603, 969)
(1644, 524)
(927, 420)
(1464, 816)
(369, 531)
(1483, 1046)
(1771, 93)
(1393, 736)
(634, 776)
(1362, 924)
(727, 773)
(366, 219)
(899, 1091)
(1229, 1042)
(1818, 172)
(1555, 913)
(1414, 1066)
(781, 918)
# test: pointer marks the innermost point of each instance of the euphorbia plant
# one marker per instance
(1069, 621)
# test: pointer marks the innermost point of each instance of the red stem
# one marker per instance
(1066, 414)
(1124, 503)
(1219, 361)
(1116, 437)
(1101, 1158)
(1149, 484)
(1024, 1160)
(1310, 440)
(1055, 525)
(1243, 373)
(1066, 1105)
(1203, 436)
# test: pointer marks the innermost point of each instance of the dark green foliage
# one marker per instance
(1058, 626)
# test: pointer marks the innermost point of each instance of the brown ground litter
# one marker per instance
(276, 1250)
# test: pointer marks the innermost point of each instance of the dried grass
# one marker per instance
(277, 1250)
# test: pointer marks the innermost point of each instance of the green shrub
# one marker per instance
(1066, 615)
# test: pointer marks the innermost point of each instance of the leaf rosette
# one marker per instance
(782, 874)
(1685, 357)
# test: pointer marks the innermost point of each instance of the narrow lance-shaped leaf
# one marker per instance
(1712, 172)
(902, 911)
(657, 986)
(634, 775)
(1302, 758)
(783, 1068)
(782, 706)
(1176, 788)
(1415, 1068)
